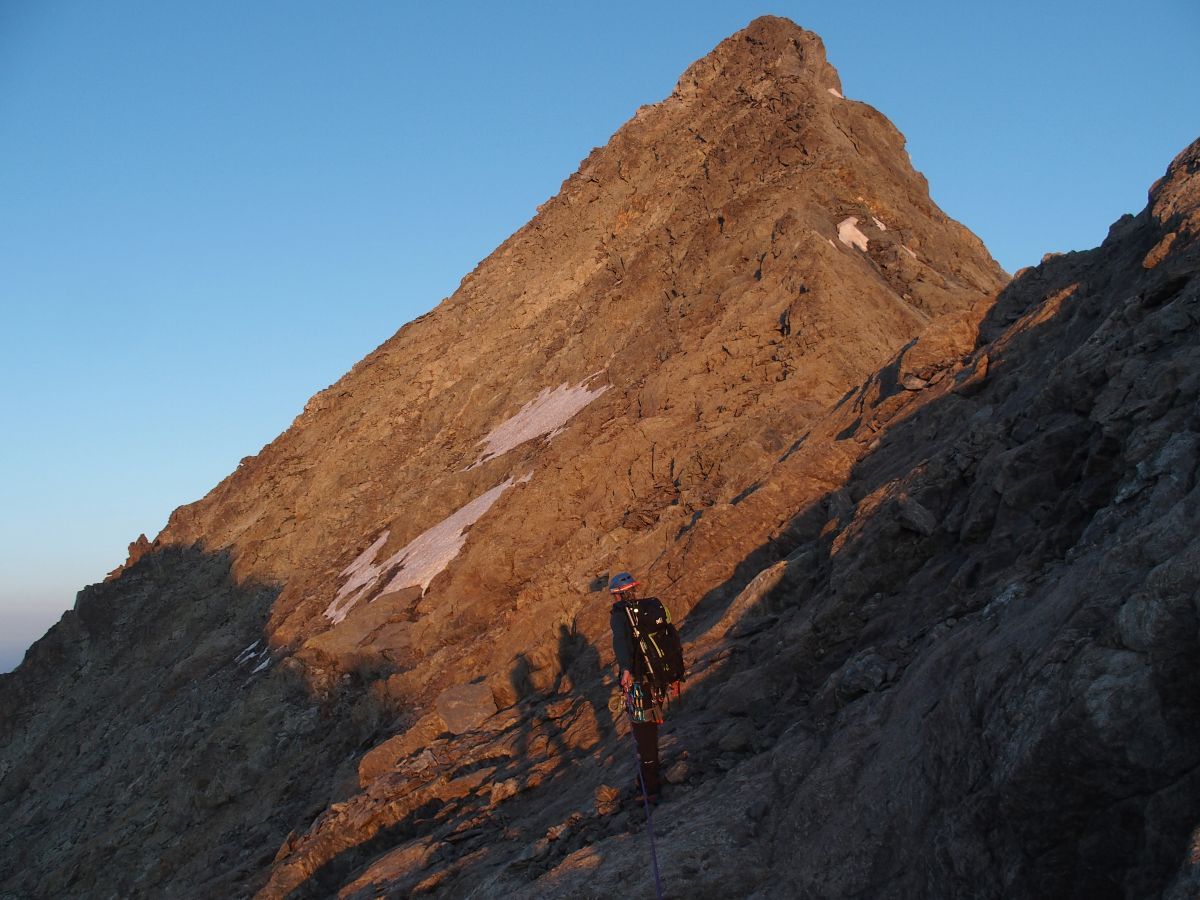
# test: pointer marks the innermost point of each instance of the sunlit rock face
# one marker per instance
(627, 363)
(931, 543)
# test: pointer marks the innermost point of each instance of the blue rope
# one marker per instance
(637, 760)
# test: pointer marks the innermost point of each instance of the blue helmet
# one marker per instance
(622, 581)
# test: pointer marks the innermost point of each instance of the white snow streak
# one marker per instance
(361, 574)
(245, 654)
(849, 234)
(878, 224)
(420, 561)
(909, 252)
(836, 93)
(262, 665)
(546, 413)
(430, 552)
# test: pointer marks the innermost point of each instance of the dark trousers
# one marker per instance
(646, 735)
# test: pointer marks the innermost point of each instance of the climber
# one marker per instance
(650, 661)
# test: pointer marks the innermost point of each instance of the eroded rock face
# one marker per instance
(655, 337)
(912, 602)
(966, 664)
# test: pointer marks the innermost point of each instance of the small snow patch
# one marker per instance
(909, 252)
(878, 224)
(262, 665)
(849, 234)
(545, 414)
(836, 93)
(421, 560)
(362, 573)
(246, 654)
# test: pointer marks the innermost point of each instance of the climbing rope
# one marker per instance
(637, 761)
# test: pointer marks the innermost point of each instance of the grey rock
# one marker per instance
(861, 675)
(916, 517)
(737, 738)
(758, 810)
(742, 693)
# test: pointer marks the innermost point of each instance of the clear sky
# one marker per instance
(209, 211)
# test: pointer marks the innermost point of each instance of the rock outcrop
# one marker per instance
(932, 547)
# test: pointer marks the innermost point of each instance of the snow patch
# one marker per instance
(246, 654)
(878, 224)
(362, 570)
(430, 552)
(836, 93)
(909, 252)
(545, 414)
(421, 560)
(262, 665)
(849, 234)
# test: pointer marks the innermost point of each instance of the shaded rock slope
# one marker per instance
(932, 547)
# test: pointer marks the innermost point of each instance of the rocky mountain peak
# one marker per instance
(769, 50)
(708, 281)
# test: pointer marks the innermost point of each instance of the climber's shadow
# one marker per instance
(579, 669)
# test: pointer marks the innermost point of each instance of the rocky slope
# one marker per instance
(930, 645)
(732, 261)
(596, 395)
(725, 268)
(968, 664)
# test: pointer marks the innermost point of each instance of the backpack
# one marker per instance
(658, 660)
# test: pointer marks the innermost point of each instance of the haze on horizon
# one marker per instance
(212, 213)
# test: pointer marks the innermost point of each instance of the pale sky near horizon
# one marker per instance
(211, 211)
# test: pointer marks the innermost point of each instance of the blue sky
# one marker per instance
(212, 210)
